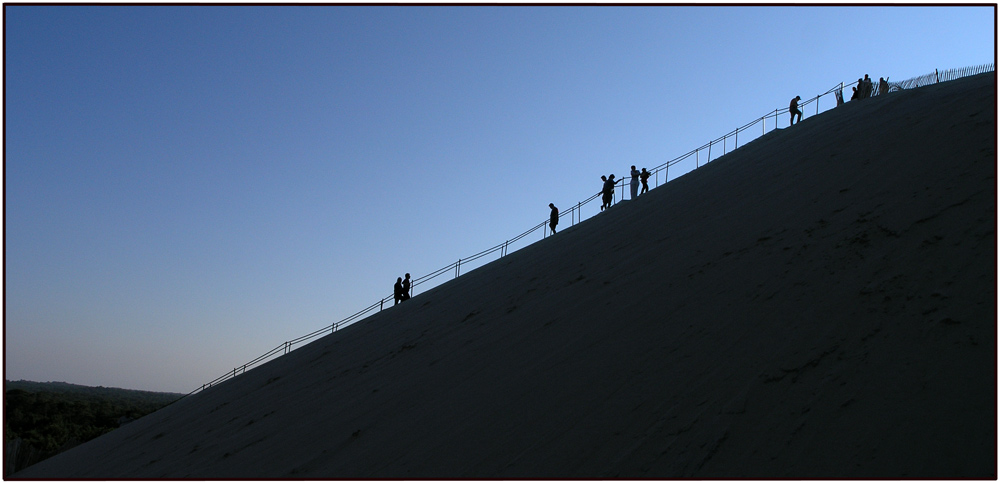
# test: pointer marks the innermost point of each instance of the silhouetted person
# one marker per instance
(406, 288)
(644, 177)
(793, 109)
(604, 192)
(867, 91)
(633, 184)
(553, 218)
(883, 86)
(855, 91)
(397, 290)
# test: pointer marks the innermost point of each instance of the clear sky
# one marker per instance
(187, 187)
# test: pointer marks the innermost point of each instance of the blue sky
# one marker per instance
(187, 187)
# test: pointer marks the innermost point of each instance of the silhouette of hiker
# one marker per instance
(604, 195)
(406, 288)
(644, 177)
(553, 218)
(868, 87)
(793, 109)
(604, 192)
(883, 86)
(855, 90)
(633, 184)
(397, 291)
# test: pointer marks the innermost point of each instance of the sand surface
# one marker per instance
(820, 303)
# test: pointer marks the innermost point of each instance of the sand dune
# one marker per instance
(820, 303)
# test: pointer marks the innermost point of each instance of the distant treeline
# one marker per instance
(42, 419)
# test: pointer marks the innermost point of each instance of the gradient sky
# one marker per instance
(187, 187)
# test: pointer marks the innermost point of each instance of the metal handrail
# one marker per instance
(937, 76)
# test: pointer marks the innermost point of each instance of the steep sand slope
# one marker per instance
(820, 303)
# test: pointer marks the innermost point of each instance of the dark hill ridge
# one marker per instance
(820, 303)
(97, 391)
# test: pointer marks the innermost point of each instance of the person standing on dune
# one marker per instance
(644, 177)
(397, 291)
(633, 184)
(604, 192)
(406, 288)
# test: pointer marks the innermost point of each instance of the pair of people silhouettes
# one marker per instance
(636, 178)
(401, 291)
(608, 191)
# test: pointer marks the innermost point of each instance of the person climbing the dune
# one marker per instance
(793, 109)
(553, 218)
